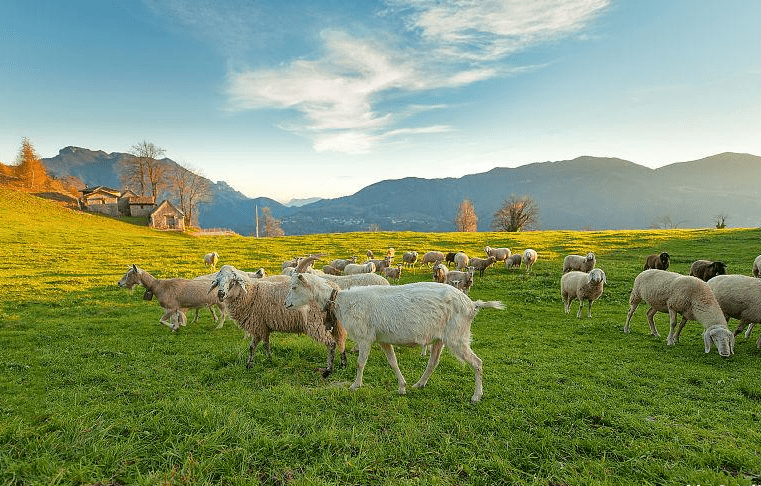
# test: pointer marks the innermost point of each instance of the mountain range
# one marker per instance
(583, 193)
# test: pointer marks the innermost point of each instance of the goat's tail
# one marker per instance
(490, 304)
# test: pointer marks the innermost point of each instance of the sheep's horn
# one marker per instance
(214, 285)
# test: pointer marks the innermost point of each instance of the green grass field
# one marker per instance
(93, 390)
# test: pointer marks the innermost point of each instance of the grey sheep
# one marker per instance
(258, 305)
(340, 263)
(430, 258)
(393, 272)
(705, 270)
(582, 286)
(757, 266)
(481, 264)
(579, 263)
(674, 293)
(461, 260)
(409, 258)
(513, 261)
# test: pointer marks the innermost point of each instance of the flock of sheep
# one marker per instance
(347, 297)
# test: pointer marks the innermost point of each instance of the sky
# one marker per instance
(320, 98)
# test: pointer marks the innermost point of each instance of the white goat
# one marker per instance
(211, 259)
(412, 314)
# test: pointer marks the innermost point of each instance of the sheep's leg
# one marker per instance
(566, 303)
(581, 306)
(671, 339)
(632, 308)
(364, 353)
(222, 316)
(739, 328)
(195, 319)
(251, 351)
(679, 329)
(589, 310)
(650, 314)
(391, 358)
(213, 312)
(331, 357)
(433, 361)
(750, 328)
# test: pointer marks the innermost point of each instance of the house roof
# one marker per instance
(167, 203)
(104, 189)
(100, 191)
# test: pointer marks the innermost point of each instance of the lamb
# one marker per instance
(431, 257)
(393, 272)
(582, 286)
(501, 254)
(739, 297)
(579, 263)
(340, 263)
(661, 262)
(481, 264)
(513, 261)
(705, 270)
(412, 314)
(409, 258)
(674, 293)
(355, 268)
(529, 258)
(757, 266)
(461, 260)
(211, 259)
(258, 306)
(175, 295)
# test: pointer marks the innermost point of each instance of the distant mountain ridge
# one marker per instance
(583, 193)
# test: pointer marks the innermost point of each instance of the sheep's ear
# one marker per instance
(707, 341)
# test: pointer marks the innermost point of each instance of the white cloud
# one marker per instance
(449, 44)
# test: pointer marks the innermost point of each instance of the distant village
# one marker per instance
(112, 202)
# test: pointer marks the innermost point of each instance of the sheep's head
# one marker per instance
(596, 276)
(665, 259)
(229, 283)
(590, 256)
(718, 268)
(722, 337)
(131, 278)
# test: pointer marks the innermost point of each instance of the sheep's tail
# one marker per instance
(490, 304)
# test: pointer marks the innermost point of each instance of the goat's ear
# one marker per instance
(134, 268)
(301, 278)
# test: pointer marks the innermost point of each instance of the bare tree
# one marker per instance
(517, 214)
(721, 220)
(190, 189)
(666, 222)
(144, 172)
(271, 225)
(466, 219)
(29, 168)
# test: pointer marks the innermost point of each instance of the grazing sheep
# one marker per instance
(418, 313)
(513, 261)
(175, 295)
(461, 260)
(529, 258)
(380, 264)
(355, 268)
(705, 270)
(739, 297)
(674, 293)
(258, 306)
(460, 280)
(211, 259)
(340, 263)
(343, 281)
(431, 258)
(582, 286)
(449, 258)
(501, 254)
(409, 258)
(331, 270)
(757, 266)
(481, 264)
(580, 263)
(440, 272)
(661, 262)
(393, 272)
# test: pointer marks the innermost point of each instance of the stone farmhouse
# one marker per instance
(115, 203)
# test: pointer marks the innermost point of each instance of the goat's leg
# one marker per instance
(463, 351)
(195, 319)
(181, 319)
(331, 357)
(364, 353)
(251, 351)
(433, 361)
(391, 358)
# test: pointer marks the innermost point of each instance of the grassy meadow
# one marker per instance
(93, 390)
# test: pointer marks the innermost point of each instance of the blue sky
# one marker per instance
(321, 97)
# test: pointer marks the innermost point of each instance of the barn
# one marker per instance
(167, 217)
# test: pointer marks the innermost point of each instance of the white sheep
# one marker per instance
(500, 254)
(175, 295)
(461, 260)
(529, 258)
(582, 286)
(409, 258)
(258, 307)
(579, 263)
(431, 257)
(513, 261)
(671, 292)
(211, 259)
(739, 297)
(412, 314)
(355, 268)
(757, 266)
(340, 263)
(343, 281)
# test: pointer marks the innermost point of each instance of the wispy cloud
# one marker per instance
(338, 91)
